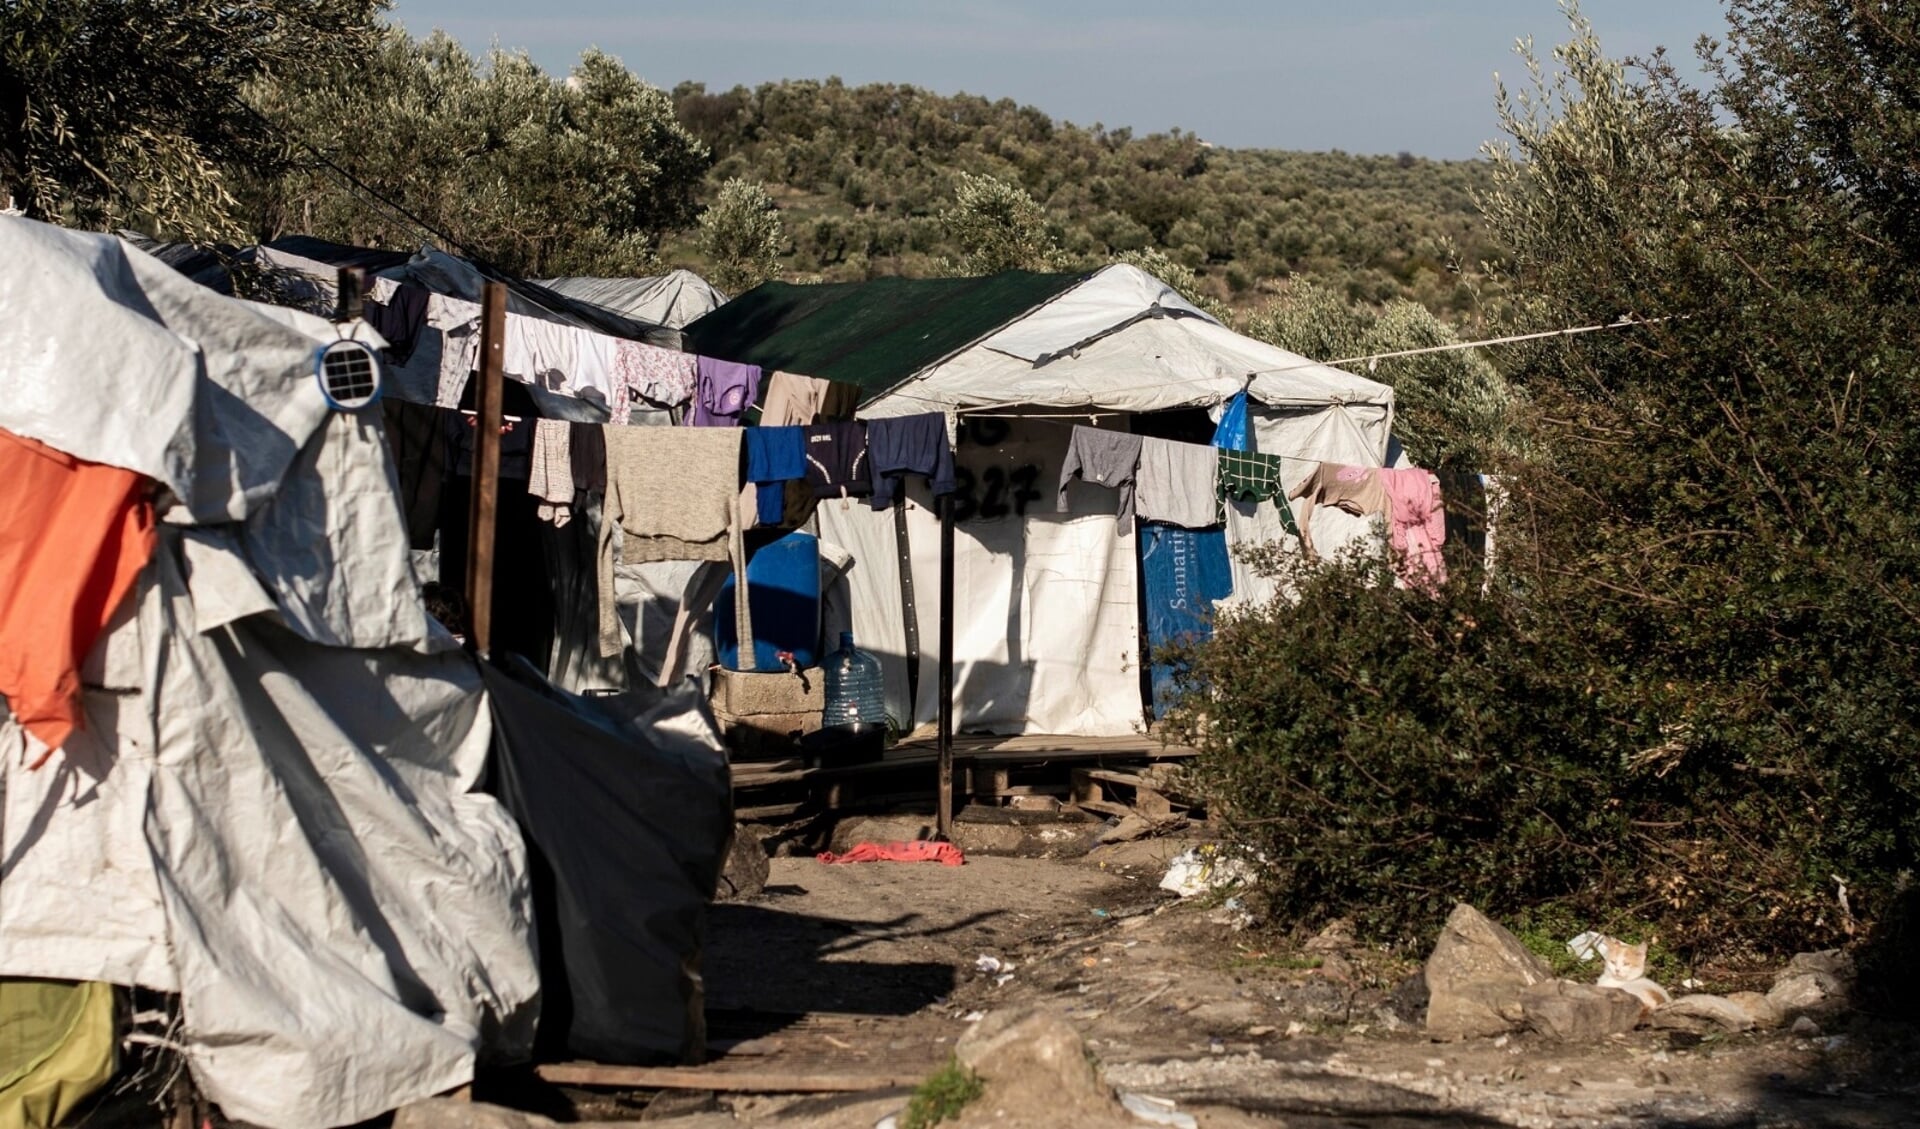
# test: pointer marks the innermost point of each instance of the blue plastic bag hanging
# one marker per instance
(1233, 432)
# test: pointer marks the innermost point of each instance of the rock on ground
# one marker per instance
(1704, 1015)
(1759, 1009)
(1037, 1072)
(1560, 1009)
(1476, 975)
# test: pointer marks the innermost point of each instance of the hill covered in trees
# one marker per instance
(862, 175)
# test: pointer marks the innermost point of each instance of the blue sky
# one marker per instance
(1367, 76)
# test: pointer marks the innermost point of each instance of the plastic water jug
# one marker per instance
(856, 688)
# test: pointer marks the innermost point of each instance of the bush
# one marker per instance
(1362, 741)
(1692, 700)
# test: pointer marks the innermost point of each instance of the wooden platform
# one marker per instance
(987, 767)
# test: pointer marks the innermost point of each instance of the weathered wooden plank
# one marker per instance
(734, 1081)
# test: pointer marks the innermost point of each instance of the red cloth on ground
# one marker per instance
(920, 850)
(74, 536)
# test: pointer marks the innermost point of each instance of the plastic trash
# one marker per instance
(1157, 1111)
(855, 687)
(1199, 869)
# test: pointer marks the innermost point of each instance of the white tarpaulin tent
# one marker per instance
(271, 809)
(1047, 639)
(675, 299)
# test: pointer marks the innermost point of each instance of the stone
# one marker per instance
(1336, 936)
(1810, 991)
(1833, 962)
(1759, 1009)
(1037, 1072)
(1703, 1014)
(1583, 1013)
(1475, 976)
(746, 869)
(1805, 1027)
(447, 1113)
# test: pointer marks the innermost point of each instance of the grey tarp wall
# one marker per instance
(272, 811)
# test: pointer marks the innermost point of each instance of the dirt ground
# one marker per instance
(873, 967)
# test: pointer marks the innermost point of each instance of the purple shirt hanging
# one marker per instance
(723, 391)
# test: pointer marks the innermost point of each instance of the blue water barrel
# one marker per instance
(783, 591)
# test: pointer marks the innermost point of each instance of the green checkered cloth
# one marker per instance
(1249, 477)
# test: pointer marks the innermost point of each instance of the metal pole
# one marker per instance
(484, 504)
(943, 818)
(909, 614)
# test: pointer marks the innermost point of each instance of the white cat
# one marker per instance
(1626, 969)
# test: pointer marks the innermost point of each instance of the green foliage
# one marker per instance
(864, 174)
(1692, 699)
(740, 234)
(118, 112)
(1454, 409)
(997, 227)
(538, 175)
(1362, 742)
(942, 1096)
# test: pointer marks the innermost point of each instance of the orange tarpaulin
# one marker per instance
(74, 536)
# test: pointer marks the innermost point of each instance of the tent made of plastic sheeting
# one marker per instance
(1049, 637)
(271, 805)
(676, 299)
(628, 812)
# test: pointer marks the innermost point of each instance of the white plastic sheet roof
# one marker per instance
(110, 355)
(1124, 342)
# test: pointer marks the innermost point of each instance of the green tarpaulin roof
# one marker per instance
(874, 334)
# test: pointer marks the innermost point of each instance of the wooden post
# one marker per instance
(484, 506)
(350, 285)
(943, 817)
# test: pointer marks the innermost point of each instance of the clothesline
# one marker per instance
(1049, 421)
(1370, 359)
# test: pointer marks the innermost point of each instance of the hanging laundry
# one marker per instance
(1183, 572)
(1355, 489)
(1177, 483)
(551, 477)
(660, 376)
(794, 399)
(837, 460)
(901, 445)
(74, 537)
(1249, 477)
(673, 492)
(723, 392)
(1106, 458)
(1416, 527)
(543, 353)
(775, 456)
(400, 319)
(587, 454)
(458, 323)
(591, 377)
